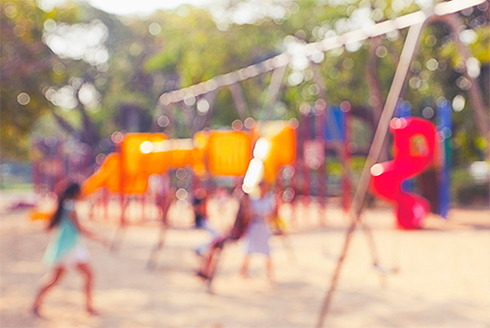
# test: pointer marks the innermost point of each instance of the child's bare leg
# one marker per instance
(270, 273)
(244, 269)
(86, 272)
(48, 281)
(206, 264)
(209, 262)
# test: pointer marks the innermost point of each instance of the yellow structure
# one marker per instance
(226, 153)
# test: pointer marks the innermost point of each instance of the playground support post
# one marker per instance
(409, 49)
(105, 202)
(122, 224)
(322, 178)
(305, 174)
(346, 158)
(444, 123)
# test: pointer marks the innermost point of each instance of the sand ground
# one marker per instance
(442, 278)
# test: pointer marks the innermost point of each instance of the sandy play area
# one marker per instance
(442, 278)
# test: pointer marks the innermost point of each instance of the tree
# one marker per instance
(115, 83)
(27, 66)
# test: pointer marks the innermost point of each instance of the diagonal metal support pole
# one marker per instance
(201, 122)
(408, 52)
(273, 90)
(240, 104)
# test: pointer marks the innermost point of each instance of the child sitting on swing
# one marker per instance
(240, 226)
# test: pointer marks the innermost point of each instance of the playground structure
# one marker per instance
(414, 151)
(293, 156)
(223, 153)
(323, 132)
(439, 171)
(295, 163)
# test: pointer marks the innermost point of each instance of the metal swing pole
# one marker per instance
(408, 51)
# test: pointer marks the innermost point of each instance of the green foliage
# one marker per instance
(171, 50)
(468, 191)
(26, 64)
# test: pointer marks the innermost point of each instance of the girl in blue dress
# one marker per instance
(66, 248)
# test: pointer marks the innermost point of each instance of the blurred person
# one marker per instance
(242, 221)
(263, 210)
(67, 249)
(199, 204)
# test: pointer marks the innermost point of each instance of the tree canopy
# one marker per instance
(78, 71)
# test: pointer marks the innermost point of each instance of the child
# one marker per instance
(66, 248)
(257, 234)
(240, 226)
